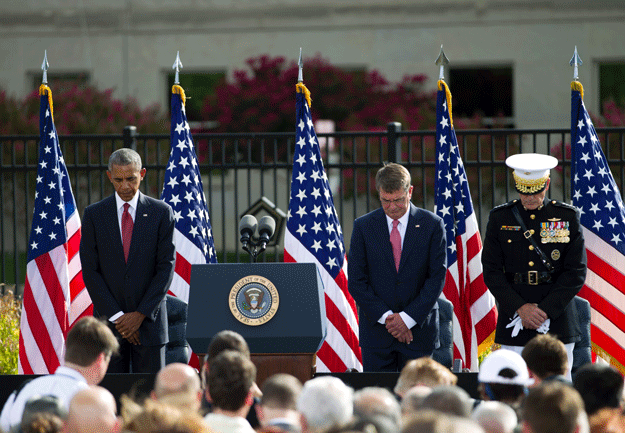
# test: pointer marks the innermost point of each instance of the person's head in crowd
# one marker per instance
(41, 422)
(92, 410)
(449, 399)
(375, 401)
(278, 405)
(600, 385)
(178, 384)
(464, 425)
(504, 377)
(225, 340)
(230, 379)
(495, 417)
(546, 358)
(427, 421)
(89, 347)
(42, 404)
(413, 399)
(423, 371)
(156, 417)
(552, 407)
(325, 402)
(367, 424)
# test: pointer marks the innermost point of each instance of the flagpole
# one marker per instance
(44, 67)
(177, 66)
(442, 61)
(300, 63)
(576, 62)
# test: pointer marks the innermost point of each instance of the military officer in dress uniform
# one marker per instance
(534, 259)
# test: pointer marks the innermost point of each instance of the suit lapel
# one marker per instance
(410, 238)
(383, 238)
(111, 221)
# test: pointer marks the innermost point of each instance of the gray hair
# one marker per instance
(495, 417)
(392, 177)
(373, 401)
(123, 157)
(326, 402)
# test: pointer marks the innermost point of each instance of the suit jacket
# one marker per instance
(139, 284)
(507, 252)
(377, 286)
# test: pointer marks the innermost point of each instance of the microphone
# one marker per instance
(247, 228)
(266, 228)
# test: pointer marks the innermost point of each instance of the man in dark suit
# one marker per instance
(127, 254)
(397, 265)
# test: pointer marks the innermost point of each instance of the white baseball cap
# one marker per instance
(492, 366)
(531, 171)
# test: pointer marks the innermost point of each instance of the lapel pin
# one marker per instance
(145, 214)
(417, 226)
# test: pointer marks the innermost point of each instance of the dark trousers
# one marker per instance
(137, 359)
(393, 358)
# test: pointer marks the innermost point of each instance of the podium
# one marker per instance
(278, 308)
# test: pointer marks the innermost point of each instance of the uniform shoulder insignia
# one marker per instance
(562, 204)
(504, 206)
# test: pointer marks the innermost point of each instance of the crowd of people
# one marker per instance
(526, 393)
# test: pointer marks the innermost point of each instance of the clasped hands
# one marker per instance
(128, 326)
(531, 316)
(397, 328)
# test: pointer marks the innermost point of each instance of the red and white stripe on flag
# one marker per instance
(340, 351)
(54, 293)
(605, 290)
(314, 235)
(475, 313)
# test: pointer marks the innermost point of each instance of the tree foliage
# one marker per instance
(9, 333)
(262, 98)
(80, 109)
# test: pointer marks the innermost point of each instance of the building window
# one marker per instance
(484, 91)
(60, 81)
(611, 83)
(197, 86)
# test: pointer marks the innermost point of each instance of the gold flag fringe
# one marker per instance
(442, 85)
(577, 86)
(176, 89)
(300, 88)
(43, 91)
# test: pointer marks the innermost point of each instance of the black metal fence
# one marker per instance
(238, 169)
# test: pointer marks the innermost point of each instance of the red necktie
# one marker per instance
(396, 243)
(127, 225)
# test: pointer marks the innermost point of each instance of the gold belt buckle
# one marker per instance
(532, 278)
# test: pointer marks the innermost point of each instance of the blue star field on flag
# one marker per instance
(54, 201)
(594, 190)
(453, 199)
(183, 188)
(312, 218)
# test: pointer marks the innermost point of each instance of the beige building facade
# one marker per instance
(130, 45)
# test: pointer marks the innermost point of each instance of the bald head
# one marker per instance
(92, 409)
(178, 384)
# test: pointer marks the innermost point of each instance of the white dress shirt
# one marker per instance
(401, 227)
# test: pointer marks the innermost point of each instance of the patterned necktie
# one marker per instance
(127, 225)
(396, 243)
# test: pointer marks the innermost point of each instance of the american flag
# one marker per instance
(475, 313)
(54, 294)
(314, 235)
(184, 192)
(603, 223)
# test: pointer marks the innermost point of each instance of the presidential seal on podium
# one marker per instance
(253, 300)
